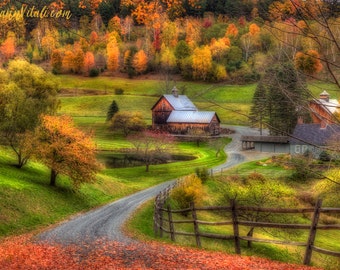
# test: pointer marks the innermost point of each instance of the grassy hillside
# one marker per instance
(231, 102)
(28, 202)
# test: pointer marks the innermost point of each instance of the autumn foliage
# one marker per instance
(8, 47)
(21, 253)
(308, 62)
(66, 150)
(189, 191)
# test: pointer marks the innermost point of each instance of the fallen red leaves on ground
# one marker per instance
(23, 253)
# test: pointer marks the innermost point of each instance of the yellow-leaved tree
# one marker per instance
(189, 191)
(112, 51)
(201, 62)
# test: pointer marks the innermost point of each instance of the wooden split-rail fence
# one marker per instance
(164, 222)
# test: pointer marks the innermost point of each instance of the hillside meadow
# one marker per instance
(85, 96)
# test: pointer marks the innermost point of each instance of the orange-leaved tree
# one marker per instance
(66, 150)
(8, 47)
(308, 62)
(140, 61)
(89, 61)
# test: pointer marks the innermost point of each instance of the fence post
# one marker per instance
(171, 224)
(312, 233)
(160, 216)
(155, 217)
(235, 227)
(194, 216)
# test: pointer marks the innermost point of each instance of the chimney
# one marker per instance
(323, 124)
(174, 91)
(324, 96)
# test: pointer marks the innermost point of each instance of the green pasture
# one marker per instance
(231, 102)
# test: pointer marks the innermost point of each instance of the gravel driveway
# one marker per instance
(107, 221)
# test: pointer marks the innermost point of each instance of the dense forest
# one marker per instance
(224, 40)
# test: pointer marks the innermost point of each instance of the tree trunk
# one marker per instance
(20, 161)
(53, 178)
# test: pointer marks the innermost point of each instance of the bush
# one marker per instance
(119, 91)
(94, 72)
(324, 156)
(202, 173)
(190, 191)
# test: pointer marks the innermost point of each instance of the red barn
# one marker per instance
(177, 114)
(323, 110)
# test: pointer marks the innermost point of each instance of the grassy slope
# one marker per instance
(28, 202)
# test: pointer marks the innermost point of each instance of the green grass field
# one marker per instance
(231, 102)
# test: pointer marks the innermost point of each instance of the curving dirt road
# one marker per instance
(107, 221)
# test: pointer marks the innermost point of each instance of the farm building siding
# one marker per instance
(271, 147)
(161, 112)
(272, 144)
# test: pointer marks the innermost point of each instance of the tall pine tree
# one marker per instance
(280, 98)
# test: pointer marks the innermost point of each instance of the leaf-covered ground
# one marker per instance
(21, 253)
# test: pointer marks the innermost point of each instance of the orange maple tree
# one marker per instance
(140, 61)
(66, 150)
(67, 62)
(308, 62)
(8, 47)
(231, 31)
(89, 61)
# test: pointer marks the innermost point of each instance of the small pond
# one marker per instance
(126, 160)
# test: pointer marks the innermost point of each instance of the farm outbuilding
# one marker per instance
(324, 109)
(177, 114)
(273, 144)
(312, 138)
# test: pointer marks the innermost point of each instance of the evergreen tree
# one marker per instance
(258, 110)
(279, 99)
(113, 109)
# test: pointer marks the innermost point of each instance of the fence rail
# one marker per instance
(165, 222)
